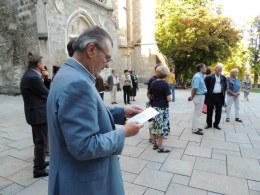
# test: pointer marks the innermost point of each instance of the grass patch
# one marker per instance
(256, 90)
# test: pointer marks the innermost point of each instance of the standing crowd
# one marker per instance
(213, 92)
(68, 116)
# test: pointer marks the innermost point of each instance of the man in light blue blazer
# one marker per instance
(84, 142)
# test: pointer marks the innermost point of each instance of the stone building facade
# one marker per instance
(44, 27)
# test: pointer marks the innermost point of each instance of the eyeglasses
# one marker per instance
(108, 58)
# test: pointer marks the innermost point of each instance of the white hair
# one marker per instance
(234, 70)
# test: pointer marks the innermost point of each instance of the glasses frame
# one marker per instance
(108, 58)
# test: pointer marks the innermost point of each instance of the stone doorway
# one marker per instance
(77, 23)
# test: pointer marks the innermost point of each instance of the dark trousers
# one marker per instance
(127, 91)
(40, 140)
(217, 102)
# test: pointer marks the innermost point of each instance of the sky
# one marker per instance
(240, 10)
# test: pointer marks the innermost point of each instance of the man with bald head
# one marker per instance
(215, 97)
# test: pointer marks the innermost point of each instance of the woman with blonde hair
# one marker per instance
(160, 94)
(246, 86)
(233, 88)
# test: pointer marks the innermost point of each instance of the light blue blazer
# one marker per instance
(83, 142)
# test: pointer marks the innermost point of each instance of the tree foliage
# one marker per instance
(254, 48)
(193, 31)
(238, 59)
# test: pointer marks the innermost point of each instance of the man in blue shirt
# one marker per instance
(198, 92)
(233, 87)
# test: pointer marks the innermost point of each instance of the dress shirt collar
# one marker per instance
(38, 73)
(216, 76)
(89, 74)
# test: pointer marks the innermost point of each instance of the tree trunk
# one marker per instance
(256, 79)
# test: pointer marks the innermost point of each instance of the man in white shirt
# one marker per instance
(215, 97)
(113, 82)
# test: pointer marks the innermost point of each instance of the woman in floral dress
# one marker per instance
(160, 94)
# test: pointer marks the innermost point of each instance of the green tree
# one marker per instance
(193, 31)
(254, 48)
(238, 59)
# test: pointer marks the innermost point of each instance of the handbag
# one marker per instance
(204, 109)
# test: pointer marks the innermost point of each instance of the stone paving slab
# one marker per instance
(243, 168)
(25, 154)
(246, 145)
(176, 153)
(218, 156)
(133, 189)
(226, 152)
(132, 165)
(219, 162)
(181, 179)
(211, 165)
(132, 151)
(178, 166)
(128, 177)
(23, 177)
(198, 151)
(154, 179)
(219, 183)
(10, 165)
(254, 185)
(153, 192)
(211, 135)
(237, 137)
(153, 165)
(3, 148)
(172, 141)
(250, 153)
(219, 145)
(11, 189)
(4, 183)
(177, 189)
(254, 192)
(256, 144)
(38, 188)
(16, 136)
(25, 143)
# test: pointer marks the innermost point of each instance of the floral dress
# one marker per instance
(159, 91)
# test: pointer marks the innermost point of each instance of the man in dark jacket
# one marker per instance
(216, 85)
(100, 86)
(35, 94)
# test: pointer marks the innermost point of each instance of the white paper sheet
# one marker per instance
(144, 116)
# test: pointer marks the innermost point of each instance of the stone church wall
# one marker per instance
(44, 28)
(17, 36)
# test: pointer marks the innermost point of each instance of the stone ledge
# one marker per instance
(101, 5)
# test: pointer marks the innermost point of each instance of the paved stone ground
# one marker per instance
(220, 162)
